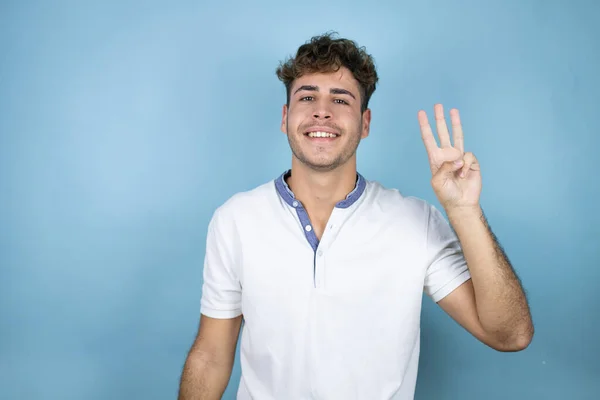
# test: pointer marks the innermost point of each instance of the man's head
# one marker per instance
(329, 84)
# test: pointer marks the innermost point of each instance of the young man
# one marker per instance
(328, 269)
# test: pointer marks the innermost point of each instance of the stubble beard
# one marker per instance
(324, 164)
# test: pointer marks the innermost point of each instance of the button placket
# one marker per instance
(329, 236)
(321, 254)
(320, 267)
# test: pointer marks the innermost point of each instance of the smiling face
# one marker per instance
(323, 122)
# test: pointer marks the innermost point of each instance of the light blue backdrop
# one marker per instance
(124, 124)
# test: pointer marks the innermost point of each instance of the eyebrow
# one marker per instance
(312, 88)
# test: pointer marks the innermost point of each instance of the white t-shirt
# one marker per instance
(332, 319)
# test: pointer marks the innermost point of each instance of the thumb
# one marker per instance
(449, 167)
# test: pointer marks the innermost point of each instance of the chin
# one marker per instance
(317, 161)
(321, 165)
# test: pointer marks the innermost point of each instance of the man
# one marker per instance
(328, 269)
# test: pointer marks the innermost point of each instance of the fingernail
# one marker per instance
(458, 162)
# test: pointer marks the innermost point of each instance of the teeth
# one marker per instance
(322, 135)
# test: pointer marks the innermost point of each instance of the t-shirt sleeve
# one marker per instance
(447, 268)
(221, 290)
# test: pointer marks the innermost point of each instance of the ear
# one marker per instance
(284, 119)
(366, 123)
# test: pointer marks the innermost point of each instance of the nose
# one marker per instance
(321, 111)
(322, 114)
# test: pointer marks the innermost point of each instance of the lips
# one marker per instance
(322, 132)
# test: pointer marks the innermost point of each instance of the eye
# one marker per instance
(340, 101)
(306, 98)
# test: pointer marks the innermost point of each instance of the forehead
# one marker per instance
(341, 78)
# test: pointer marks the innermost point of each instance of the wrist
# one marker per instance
(464, 213)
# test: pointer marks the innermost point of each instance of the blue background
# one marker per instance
(124, 124)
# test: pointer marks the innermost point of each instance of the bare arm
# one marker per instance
(209, 363)
(492, 305)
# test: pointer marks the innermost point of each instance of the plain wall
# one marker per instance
(123, 125)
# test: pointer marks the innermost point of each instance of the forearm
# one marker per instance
(500, 301)
(204, 377)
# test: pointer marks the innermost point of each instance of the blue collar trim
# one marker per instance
(286, 194)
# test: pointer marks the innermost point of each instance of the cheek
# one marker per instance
(295, 120)
(352, 120)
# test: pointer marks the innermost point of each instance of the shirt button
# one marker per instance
(308, 228)
(320, 253)
(295, 203)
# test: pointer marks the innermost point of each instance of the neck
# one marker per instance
(319, 190)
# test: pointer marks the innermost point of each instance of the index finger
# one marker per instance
(427, 133)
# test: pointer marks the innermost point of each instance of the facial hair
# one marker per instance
(318, 162)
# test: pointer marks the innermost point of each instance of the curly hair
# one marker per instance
(325, 53)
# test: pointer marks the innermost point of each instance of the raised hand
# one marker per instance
(456, 177)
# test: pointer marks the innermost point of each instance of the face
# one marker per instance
(323, 122)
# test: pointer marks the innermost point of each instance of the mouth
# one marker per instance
(321, 134)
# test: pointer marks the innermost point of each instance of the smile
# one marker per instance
(322, 135)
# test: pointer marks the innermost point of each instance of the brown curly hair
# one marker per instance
(325, 53)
